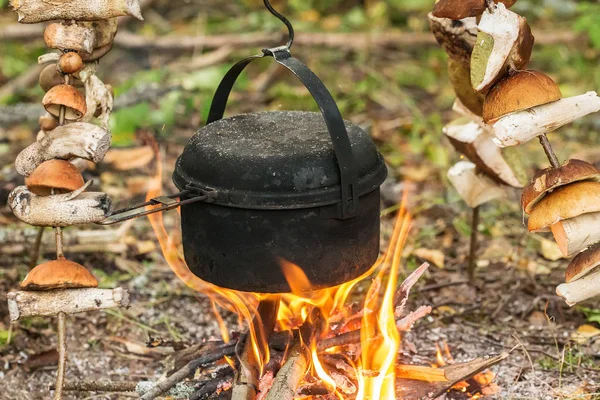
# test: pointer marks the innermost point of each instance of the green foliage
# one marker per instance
(589, 22)
(4, 336)
(110, 280)
(591, 314)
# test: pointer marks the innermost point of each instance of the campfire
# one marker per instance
(319, 344)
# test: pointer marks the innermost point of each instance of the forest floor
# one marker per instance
(402, 97)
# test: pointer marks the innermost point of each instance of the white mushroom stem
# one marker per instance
(520, 127)
(34, 11)
(582, 289)
(475, 189)
(60, 210)
(461, 109)
(478, 143)
(98, 100)
(576, 234)
(78, 139)
(69, 301)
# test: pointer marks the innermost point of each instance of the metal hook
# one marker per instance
(283, 19)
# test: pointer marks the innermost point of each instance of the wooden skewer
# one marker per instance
(473, 247)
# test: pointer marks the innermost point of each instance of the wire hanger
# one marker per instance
(283, 19)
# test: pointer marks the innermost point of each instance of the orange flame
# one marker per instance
(380, 339)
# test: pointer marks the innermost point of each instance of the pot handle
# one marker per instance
(329, 109)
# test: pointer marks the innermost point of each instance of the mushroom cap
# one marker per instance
(59, 274)
(98, 53)
(551, 178)
(565, 202)
(517, 92)
(583, 263)
(47, 122)
(464, 8)
(60, 175)
(68, 96)
(70, 62)
(50, 77)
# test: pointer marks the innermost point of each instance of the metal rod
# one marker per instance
(549, 151)
(473, 246)
(283, 19)
(62, 355)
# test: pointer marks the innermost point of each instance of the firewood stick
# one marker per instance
(421, 373)
(62, 355)
(97, 386)
(290, 375)
(473, 245)
(190, 368)
(245, 384)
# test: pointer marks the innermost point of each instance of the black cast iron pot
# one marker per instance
(288, 186)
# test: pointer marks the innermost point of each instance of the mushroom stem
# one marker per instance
(35, 251)
(62, 355)
(63, 110)
(473, 247)
(549, 151)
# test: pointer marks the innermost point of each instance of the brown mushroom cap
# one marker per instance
(70, 62)
(59, 274)
(456, 10)
(551, 178)
(517, 92)
(60, 175)
(565, 202)
(47, 122)
(583, 263)
(50, 77)
(98, 53)
(68, 96)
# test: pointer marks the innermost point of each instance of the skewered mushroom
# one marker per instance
(564, 203)
(70, 63)
(456, 37)
(59, 210)
(475, 189)
(504, 40)
(549, 179)
(32, 11)
(68, 96)
(54, 177)
(70, 36)
(583, 278)
(462, 9)
(460, 78)
(79, 139)
(59, 274)
(476, 144)
(584, 263)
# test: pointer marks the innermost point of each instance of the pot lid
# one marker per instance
(275, 160)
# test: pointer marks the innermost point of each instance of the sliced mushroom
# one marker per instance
(564, 203)
(34, 11)
(460, 79)
(522, 126)
(475, 189)
(70, 36)
(59, 210)
(456, 37)
(549, 179)
(68, 96)
(464, 8)
(59, 274)
(99, 100)
(53, 177)
(584, 263)
(581, 289)
(78, 139)
(517, 92)
(475, 142)
(504, 40)
(575, 234)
